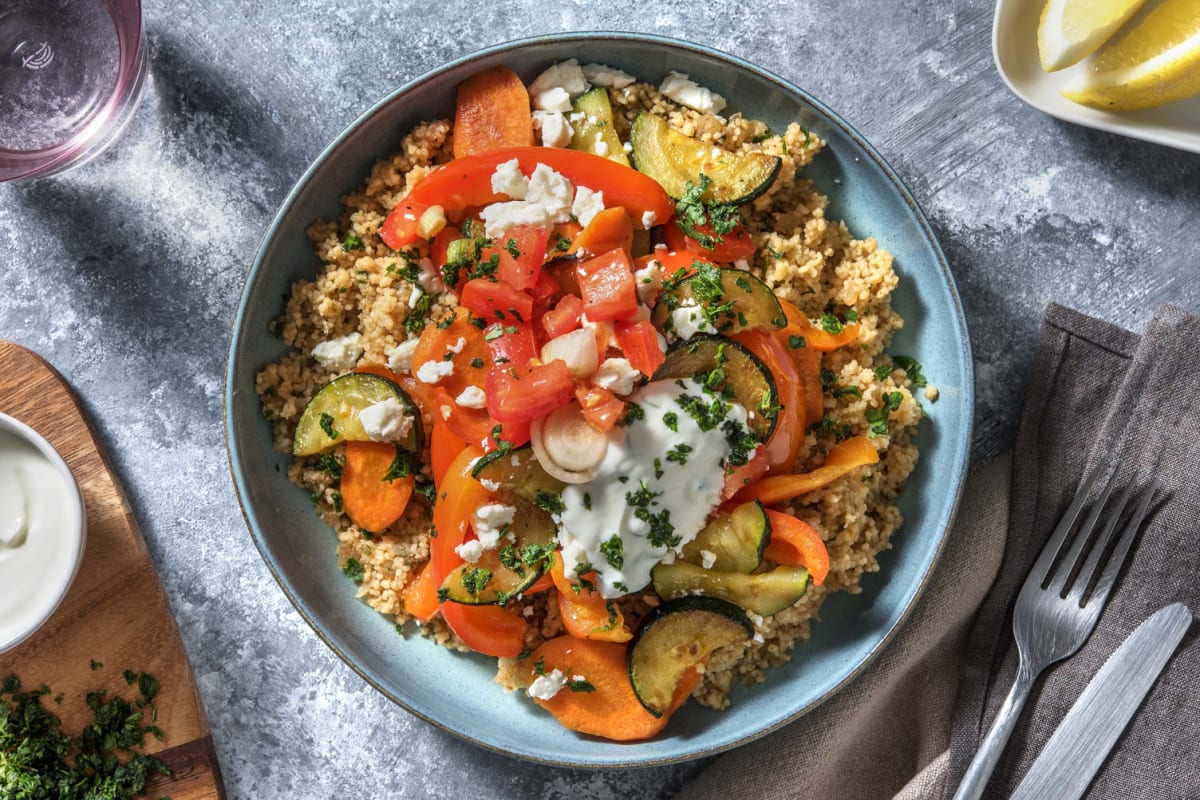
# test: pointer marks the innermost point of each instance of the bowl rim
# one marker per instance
(76, 523)
(960, 454)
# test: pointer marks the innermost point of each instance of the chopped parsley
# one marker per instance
(351, 242)
(831, 324)
(353, 569)
(679, 453)
(550, 502)
(578, 684)
(613, 550)
(796, 342)
(587, 501)
(476, 579)
(331, 464)
(633, 413)
(671, 420)
(692, 213)
(881, 372)
(912, 368)
(326, 422)
(877, 418)
(418, 315)
(403, 465)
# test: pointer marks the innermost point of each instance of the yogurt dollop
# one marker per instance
(652, 493)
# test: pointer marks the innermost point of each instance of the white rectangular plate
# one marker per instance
(1014, 46)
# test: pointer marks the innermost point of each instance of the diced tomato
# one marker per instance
(639, 342)
(735, 245)
(514, 433)
(441, 244)
(496, 300)
(601, 408)
(400, 227)
(544, 290)
(607, 285)
(521, 251)
(564, 317)
(511, 344)
(520, 395)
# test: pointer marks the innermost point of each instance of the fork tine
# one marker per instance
(1091, 566)
(1041, 567)
(1109, 576)
(1058, 581)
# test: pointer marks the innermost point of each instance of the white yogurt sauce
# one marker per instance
(38, 545)
(650, 491)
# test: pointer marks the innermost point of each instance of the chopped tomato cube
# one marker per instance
(511, 344)
(607, 285)
(400, 227)
(545, 289)
(639, 342)
(496, 300)
(564, 317)
(601, 408)
(519, 395)
(734, 246)
(521, 251)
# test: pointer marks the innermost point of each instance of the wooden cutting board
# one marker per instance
(116, 612)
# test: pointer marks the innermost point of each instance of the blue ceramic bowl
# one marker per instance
(456, 691)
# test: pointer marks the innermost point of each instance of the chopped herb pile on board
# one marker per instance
(39, 761)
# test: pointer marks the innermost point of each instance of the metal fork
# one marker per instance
(1054, 613)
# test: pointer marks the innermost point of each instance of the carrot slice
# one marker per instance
(371, 501)
(795, 542)
(420, 594)
(585, 614)
(850, 454)
(491, 112)
(603, 702)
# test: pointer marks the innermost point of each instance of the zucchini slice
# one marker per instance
(501, 574)
(745, 375)
(732, 299)
(677, 636)
(331, 416)
(736, 539)
(674, 161)
(595, 132)
(518, 472)
(764, 593)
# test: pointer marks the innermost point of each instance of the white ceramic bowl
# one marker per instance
(49, 596)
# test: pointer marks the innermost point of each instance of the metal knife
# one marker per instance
(1065, 767)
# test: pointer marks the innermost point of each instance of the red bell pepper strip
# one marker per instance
(491, 630)
(734, 246)
(639, 342)
(399, 228)
(467, 181)
(790, 419)
(793, 541)
(843, 458)
(607, 286)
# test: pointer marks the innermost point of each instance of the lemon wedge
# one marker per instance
(1157, 62)
(1072, 29)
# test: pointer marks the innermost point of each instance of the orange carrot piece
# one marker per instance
(795, 542)
(492, 112)
(610, 709)
(584, 613)
(850, 454)
(420, 594)
(609, 229)
(370, 501)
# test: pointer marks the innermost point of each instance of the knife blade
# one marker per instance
(1065, 767)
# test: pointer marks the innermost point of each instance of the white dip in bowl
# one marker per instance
(42, 531)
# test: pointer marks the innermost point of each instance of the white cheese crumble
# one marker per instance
(617, 375)
(434, 371)
(386, 421)
(547, 201)
(600, 147)
(587, 205)
(707, 559)
(556, 131)
(400, 357)
(470, 551)
(488, 520)
(545, 686)
(604, 75)
(507, 179)
(682, 89)
(458, 346)
(649, 281)
(687, 321)
(340, 354)
(554, 99)
(471, 397)
(649, 218)
(567, 75)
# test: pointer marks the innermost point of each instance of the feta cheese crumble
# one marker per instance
(488, 522)
(587, 205)
(386, 421)
(604, 75)
(434, 371)
(555, 129)
(340, 354)
(545, 686)
(682, 89)
(400, 357)
(547, 200)
(617, 375)
(471, 397)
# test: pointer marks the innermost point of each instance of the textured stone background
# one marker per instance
(125, 275)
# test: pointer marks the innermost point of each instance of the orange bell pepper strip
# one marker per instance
(470, 357)
(492, 111)
(791, 419)
(795, 542)
(491, 630)
(420, 594)
(843, 458)
(584, 613)
(607, 705)
(372, 502)
(466, 182)
(817, 338)
(444, 447)
(609, 229)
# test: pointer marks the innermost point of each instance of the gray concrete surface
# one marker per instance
(125, 274)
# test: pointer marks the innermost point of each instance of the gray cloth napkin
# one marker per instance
(909, 725)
